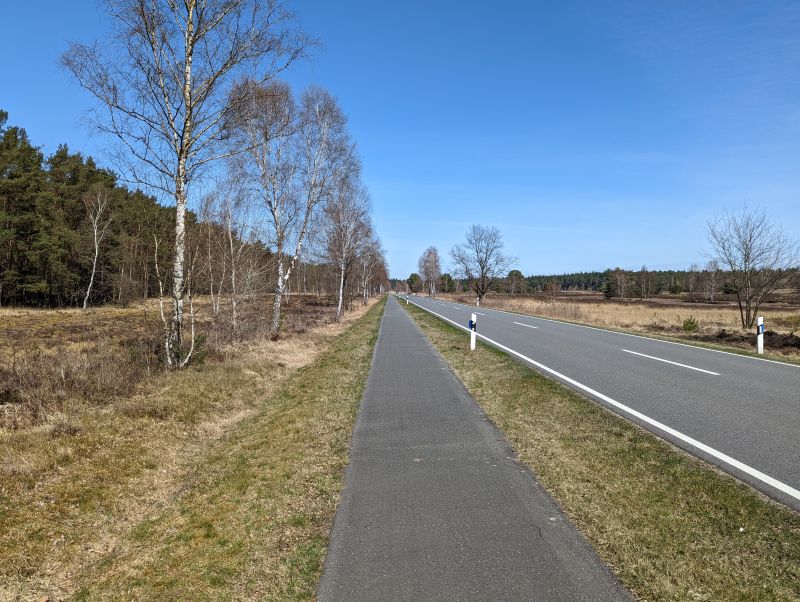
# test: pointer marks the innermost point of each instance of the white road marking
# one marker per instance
(639, 336)
(756, 474)
(477, 313)
(528, 325)
(658, 359)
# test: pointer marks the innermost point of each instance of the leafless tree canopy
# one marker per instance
(347, 228)
(164, 79)
(165, 82)
(98, 212)
(430, 269)
(757, 255)
(294, 154)
(480, 259)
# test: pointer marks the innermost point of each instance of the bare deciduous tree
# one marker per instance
(757, 255)
(430, 268)
(98, 212)
(644, 282)
(216, 265)
(711, 279)
(552, 287)
(692, 277)
(373, 263)
(481, 259)
(292, 157)
(347, 228)
(165, 82)
(618, 281)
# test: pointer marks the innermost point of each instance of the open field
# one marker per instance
(135, 497)
(716, 324)
(670, 526)
(53, 360)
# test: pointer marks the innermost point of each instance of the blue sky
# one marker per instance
(592, 134)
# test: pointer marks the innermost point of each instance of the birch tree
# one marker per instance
(99, 214)
(162, 83)
(644, 282)
(346, 225)
(371, 260)
(291, 159)
(430, 268)
(711, 281)
(215, 262)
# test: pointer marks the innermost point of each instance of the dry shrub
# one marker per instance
(54, 360)
(36, 382)
(61, 426)
(155, 408)
(299, 314)
(791, 322)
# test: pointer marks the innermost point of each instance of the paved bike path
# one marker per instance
(435, 505)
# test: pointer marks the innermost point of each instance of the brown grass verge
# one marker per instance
(670, 526)
(78, 491)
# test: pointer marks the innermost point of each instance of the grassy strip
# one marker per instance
(670, 526)
(253, 518)
(687, 340)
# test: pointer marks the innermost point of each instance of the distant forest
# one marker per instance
(707, 282)
(618, 282)
(46, 238)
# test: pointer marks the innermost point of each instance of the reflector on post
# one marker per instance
(473, 329)
(760, 334)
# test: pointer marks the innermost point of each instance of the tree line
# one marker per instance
(191, 93)
(71, 234)
(47, 238)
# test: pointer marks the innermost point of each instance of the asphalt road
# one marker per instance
(737, 412)
(435, 505)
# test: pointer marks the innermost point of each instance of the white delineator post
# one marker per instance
(760, 331)
(473, 333)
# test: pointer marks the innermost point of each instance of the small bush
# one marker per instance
(62, 427)
(38, 382)
(690, 324)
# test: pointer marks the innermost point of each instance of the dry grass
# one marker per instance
(54, 360)
(715, 324)
(76, 488)
(253, 518)
(670, 526)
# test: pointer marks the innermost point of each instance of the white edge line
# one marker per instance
(659, 359)
(528, 325)
(639, 336)
(757, 474)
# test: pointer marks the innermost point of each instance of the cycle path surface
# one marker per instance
(435, 504)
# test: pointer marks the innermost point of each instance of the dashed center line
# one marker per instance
(527, 325)
(658, 359)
